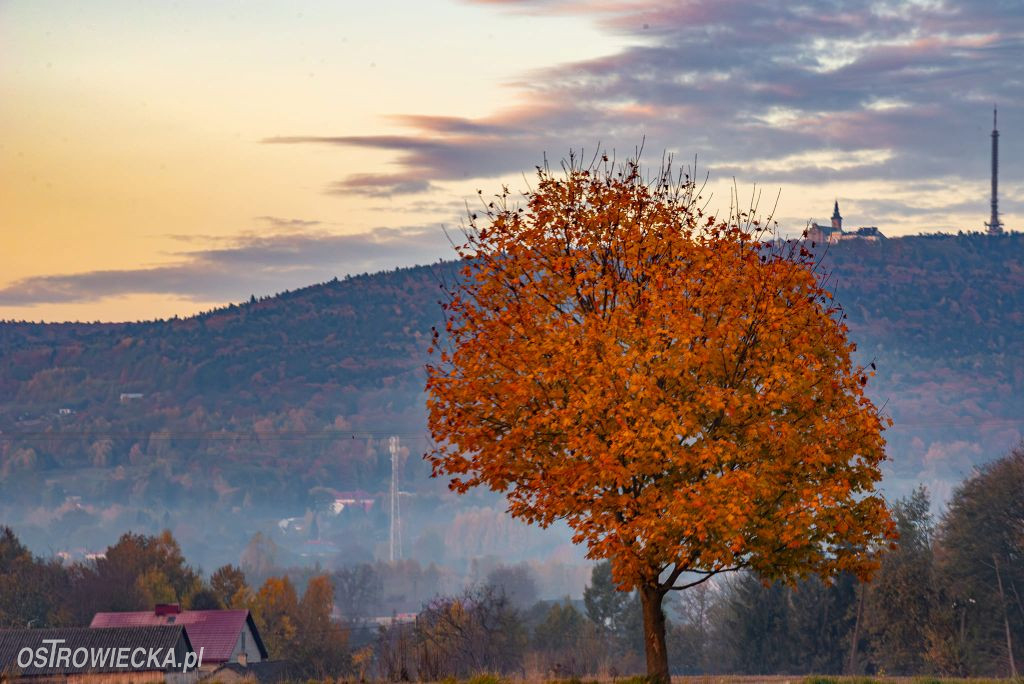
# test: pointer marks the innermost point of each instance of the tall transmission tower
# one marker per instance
(995, 226)
(395, 537)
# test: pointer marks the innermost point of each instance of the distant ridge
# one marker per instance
(942, 316)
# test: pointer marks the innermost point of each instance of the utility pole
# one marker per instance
(395, 537)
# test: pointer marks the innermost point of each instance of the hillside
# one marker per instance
(943, 318)
(273, 384)
(248, 409)
(244, 412)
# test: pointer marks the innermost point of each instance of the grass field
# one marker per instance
(737, 679)
(783, 679)
(758, 679)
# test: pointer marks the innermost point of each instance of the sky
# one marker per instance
(165, 158)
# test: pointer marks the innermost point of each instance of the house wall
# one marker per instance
(246, 644)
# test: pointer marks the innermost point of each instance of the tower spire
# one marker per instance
(995, 226)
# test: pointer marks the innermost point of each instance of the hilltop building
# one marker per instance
(833, 233)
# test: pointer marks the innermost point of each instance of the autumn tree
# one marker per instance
(275, 609)
(133, 574)
(33, 592)
(322, 644)
(677, 388)
(226, 582)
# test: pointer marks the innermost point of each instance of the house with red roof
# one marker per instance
(224, 636)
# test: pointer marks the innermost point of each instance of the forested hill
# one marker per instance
(235, 360)
(284, 394)
(943, 317)
(266, 398)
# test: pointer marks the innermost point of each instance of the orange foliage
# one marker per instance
(676, 388)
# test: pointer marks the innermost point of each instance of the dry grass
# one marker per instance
(742, 679)
(731, 679)
(803, 679)
(701, 679)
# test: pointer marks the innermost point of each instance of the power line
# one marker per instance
(214, 434)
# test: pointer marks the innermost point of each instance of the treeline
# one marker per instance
(946, 600)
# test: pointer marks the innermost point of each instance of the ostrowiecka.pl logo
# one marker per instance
(53, 655)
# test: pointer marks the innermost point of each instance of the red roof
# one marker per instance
(214, 631)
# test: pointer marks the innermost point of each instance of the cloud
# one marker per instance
(249, 264)
(879, 90)
(437, 205)
(381, 185)
(446, 157)
(279, 223)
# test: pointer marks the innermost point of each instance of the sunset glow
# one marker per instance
(165, 159)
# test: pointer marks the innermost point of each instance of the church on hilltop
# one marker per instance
(834, 233)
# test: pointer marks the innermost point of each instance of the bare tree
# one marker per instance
(477, 631)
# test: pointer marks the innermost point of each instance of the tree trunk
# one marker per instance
(654, 634)
(1020, 606)
(851, 662)
(1006, 619)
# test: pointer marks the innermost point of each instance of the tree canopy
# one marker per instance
(677, 388)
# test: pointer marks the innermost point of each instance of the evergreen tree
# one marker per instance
(899, 601)
(606, 606)
(981, 561)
